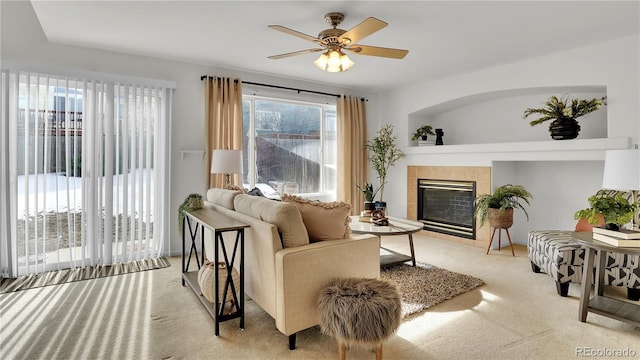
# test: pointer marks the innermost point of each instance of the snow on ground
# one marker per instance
(55, 192)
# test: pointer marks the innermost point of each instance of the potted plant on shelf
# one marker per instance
(384, 153)
(564, 114)
(422, 132)
(616, 209)
(498, 208)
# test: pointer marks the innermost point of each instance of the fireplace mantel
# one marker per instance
(577, 149)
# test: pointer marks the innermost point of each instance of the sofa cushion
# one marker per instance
(323, 220)
(222, 197)
(281, 214)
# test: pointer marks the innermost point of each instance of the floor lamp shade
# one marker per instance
(622, 170)
(226, 162)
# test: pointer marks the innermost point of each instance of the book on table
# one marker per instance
(620, 234)
(616, 241)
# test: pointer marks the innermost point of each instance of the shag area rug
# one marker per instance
(25, 282)
(425, 285)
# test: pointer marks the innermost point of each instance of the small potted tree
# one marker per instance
(498, 208)
(422, 132)
(383, 153)
(616, 209)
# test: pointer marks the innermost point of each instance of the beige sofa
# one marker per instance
(284, 272)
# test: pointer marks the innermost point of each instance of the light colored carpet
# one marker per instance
(149, 315)
(425, 285)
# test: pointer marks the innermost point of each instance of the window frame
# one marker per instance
(324, 107)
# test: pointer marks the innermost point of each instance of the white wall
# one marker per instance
(559, 189)
(611, 65)
(23, 42)
(500, 120)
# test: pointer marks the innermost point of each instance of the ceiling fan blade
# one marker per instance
(280, 56)
(295, 33)
(378, 51)
(365, 28)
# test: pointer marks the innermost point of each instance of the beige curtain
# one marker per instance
(223, 122)
(352, 134)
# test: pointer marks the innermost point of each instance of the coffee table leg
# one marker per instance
(413, 254)
(587, 275)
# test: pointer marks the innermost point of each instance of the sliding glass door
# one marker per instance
(87, 172)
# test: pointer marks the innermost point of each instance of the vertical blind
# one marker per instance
(84, 172)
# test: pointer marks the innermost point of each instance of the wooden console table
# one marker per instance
(195, 222)
(600, 304)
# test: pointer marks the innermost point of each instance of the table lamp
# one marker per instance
(226, 162)
(622, 173)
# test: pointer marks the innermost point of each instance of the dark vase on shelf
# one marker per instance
(564, 129)
(439, 135)
(423, 137)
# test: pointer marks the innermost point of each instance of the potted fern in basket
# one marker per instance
(498, 207)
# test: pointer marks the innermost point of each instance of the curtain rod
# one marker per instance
(284, 88)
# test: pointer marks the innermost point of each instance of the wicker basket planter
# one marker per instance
(500, 219)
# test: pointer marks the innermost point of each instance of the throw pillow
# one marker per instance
(284, 216)
(323, 220)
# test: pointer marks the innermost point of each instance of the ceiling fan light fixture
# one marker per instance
(333, 61)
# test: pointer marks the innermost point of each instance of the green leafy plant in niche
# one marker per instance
(562, 108)
(422, 132)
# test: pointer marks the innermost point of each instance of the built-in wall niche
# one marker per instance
(497, 117)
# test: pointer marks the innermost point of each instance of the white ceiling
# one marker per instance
(443, 37)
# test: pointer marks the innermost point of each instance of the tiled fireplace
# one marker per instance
(479, 178)
(446, 206)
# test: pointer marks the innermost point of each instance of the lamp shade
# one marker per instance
(334, 61)
(226, 162)
(622, 170)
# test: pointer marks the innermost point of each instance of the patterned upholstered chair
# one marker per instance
(557, 254)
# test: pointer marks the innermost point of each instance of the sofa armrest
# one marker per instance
(301, 272)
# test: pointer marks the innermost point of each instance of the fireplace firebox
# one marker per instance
(446, 206)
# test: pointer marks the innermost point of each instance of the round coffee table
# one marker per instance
(397, 226)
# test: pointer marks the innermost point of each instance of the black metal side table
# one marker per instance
(195, 222)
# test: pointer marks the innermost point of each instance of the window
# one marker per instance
(290, 146)
(87, 172)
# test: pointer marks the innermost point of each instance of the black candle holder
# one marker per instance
(439, 135)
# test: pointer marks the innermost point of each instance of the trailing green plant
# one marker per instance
(504, 197)
(422, 131)
(384, 153)
(368, 191)
(561, 108)
(191, 202)
(613, 205)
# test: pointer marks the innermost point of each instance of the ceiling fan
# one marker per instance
(333, 42)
